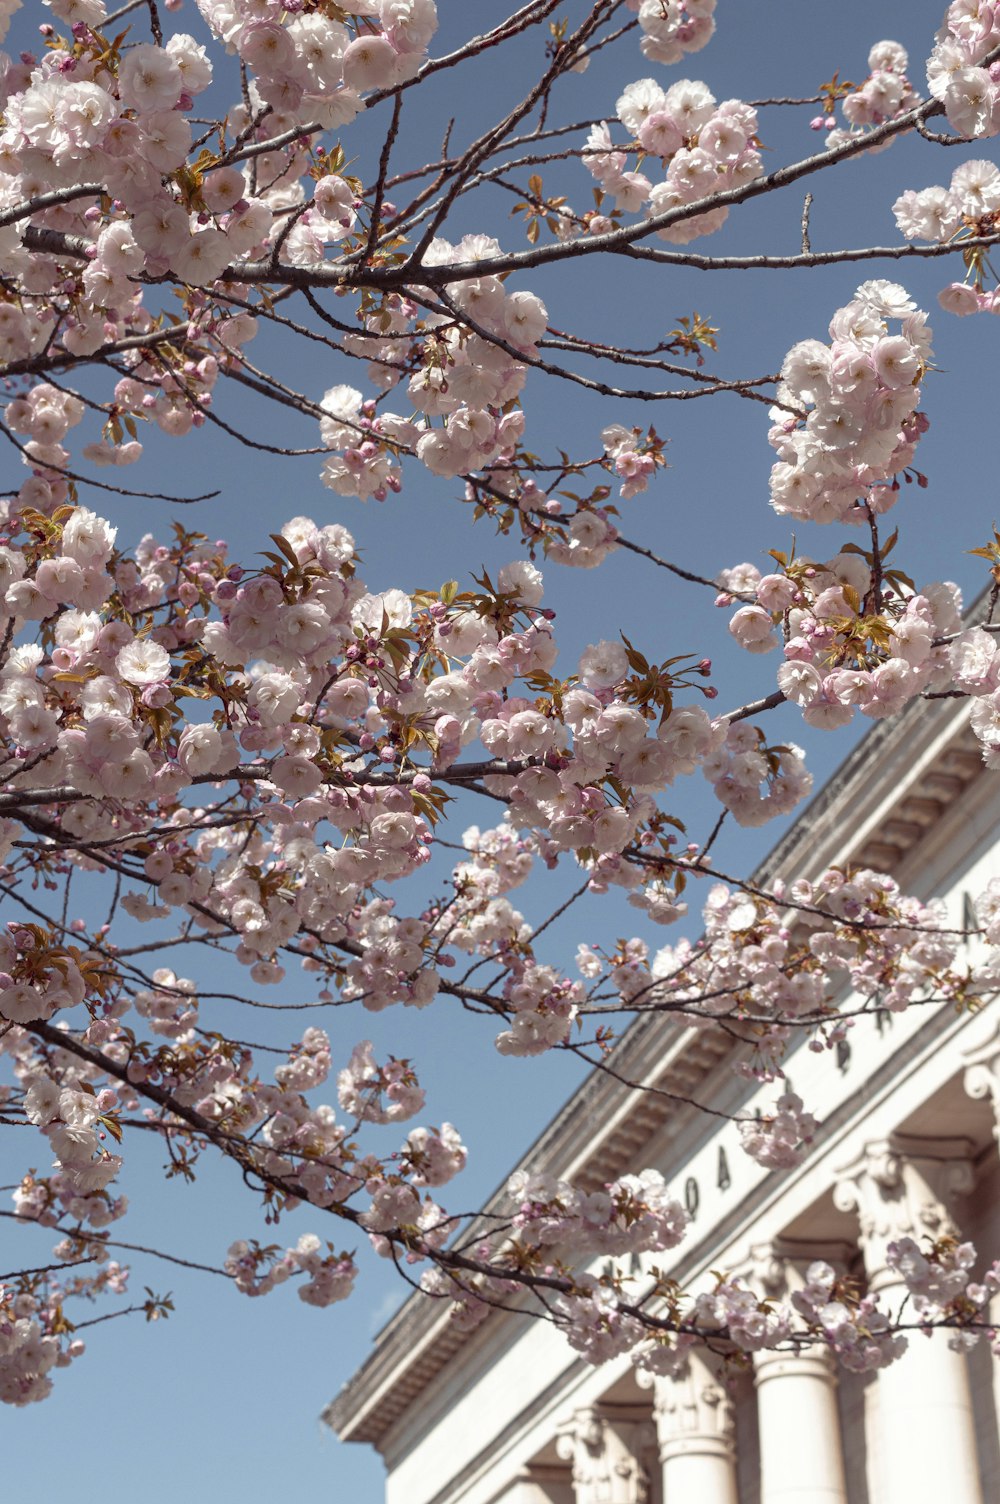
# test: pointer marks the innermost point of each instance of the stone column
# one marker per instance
(927, 1446)
(696, 1434)
(982, 1082)
(801, 1458)
(605, 1444)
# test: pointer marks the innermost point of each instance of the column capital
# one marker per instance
(982, 1070)
(777, 1267)
(584, 1430)
(693, 1411)
(901, 1187)
(605, 1446)
(766, 1269)
(775, 1270)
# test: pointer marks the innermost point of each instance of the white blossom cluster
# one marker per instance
(633, 1214)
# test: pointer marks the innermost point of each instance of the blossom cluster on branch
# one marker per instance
(249, 754)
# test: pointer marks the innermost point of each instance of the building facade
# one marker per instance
(907, 1145)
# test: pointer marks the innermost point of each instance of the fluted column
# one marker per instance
(604, 1444)
(927, 1447)
(801, 1457)
(696, 1434)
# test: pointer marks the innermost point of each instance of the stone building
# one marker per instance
(508, 1414)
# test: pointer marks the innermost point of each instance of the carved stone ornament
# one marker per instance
(982, 1074)
(693, 1410)
(904, 1187)
(606, 1457)
(767, 1271)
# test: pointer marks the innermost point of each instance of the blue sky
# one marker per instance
(223, 1399)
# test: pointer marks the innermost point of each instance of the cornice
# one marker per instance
(882, 801)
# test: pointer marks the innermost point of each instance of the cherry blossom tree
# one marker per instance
(243, 755)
